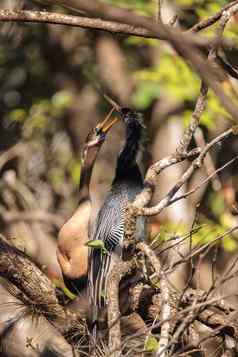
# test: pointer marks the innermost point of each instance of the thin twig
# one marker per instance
(212, 19)
(189, 132)
(197, 251)
(193, 190)
(165, 202)
(208, 162)
(159, 10)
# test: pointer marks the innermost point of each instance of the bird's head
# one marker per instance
(97, 136)
(131, 118)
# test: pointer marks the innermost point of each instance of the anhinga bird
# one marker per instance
(110, 220)
(72, 253)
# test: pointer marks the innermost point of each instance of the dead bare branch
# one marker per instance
(212, 19)
(187, 174)
(113, 306)
(213, 174)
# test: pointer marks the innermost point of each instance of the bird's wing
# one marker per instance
(110, 229)
(110, 222)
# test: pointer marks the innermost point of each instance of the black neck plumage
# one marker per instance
(126, 162)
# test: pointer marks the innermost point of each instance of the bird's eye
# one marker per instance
(97, 131)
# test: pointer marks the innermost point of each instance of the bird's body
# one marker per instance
(72, 253)
(110, 221)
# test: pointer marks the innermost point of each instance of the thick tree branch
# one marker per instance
(18, 269)
(54, 18)
(76, 21)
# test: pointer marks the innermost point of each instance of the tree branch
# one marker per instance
(213, 174)
(212, 19)
(165, 316)
(179, 41)
(77, 21)
(189, 132)
(54, 18)
(18, 269)
(113, 310)
(165, 202)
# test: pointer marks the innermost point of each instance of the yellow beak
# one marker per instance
(107, 123)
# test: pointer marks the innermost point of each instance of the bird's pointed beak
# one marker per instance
(107, 123)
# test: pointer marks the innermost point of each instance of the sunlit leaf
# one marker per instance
(151, 344)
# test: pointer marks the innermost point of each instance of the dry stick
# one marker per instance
(202, 248)
(191, 265)
(180, 154)
(143, 198)
(151, 256)
(196, 164)
(76, 21)
(189, 132)
(212, 19)
(193, 312)
(159, 10)
(113, 310)
(180, 330)
(213, 174)
(211, 302)
(74, 5)
(165, 316)
(54, 18)
(188, 300)
(208, 163)
(165, 298)
(113, 293)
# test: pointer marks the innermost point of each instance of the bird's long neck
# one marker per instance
(85, 177)
(126, 162)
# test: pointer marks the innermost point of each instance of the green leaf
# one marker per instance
(151, 344)
(97, 244)
(18, 115)
(62, 100)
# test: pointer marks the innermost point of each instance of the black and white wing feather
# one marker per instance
(109, 229)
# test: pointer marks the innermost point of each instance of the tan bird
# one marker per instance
(72, 253)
